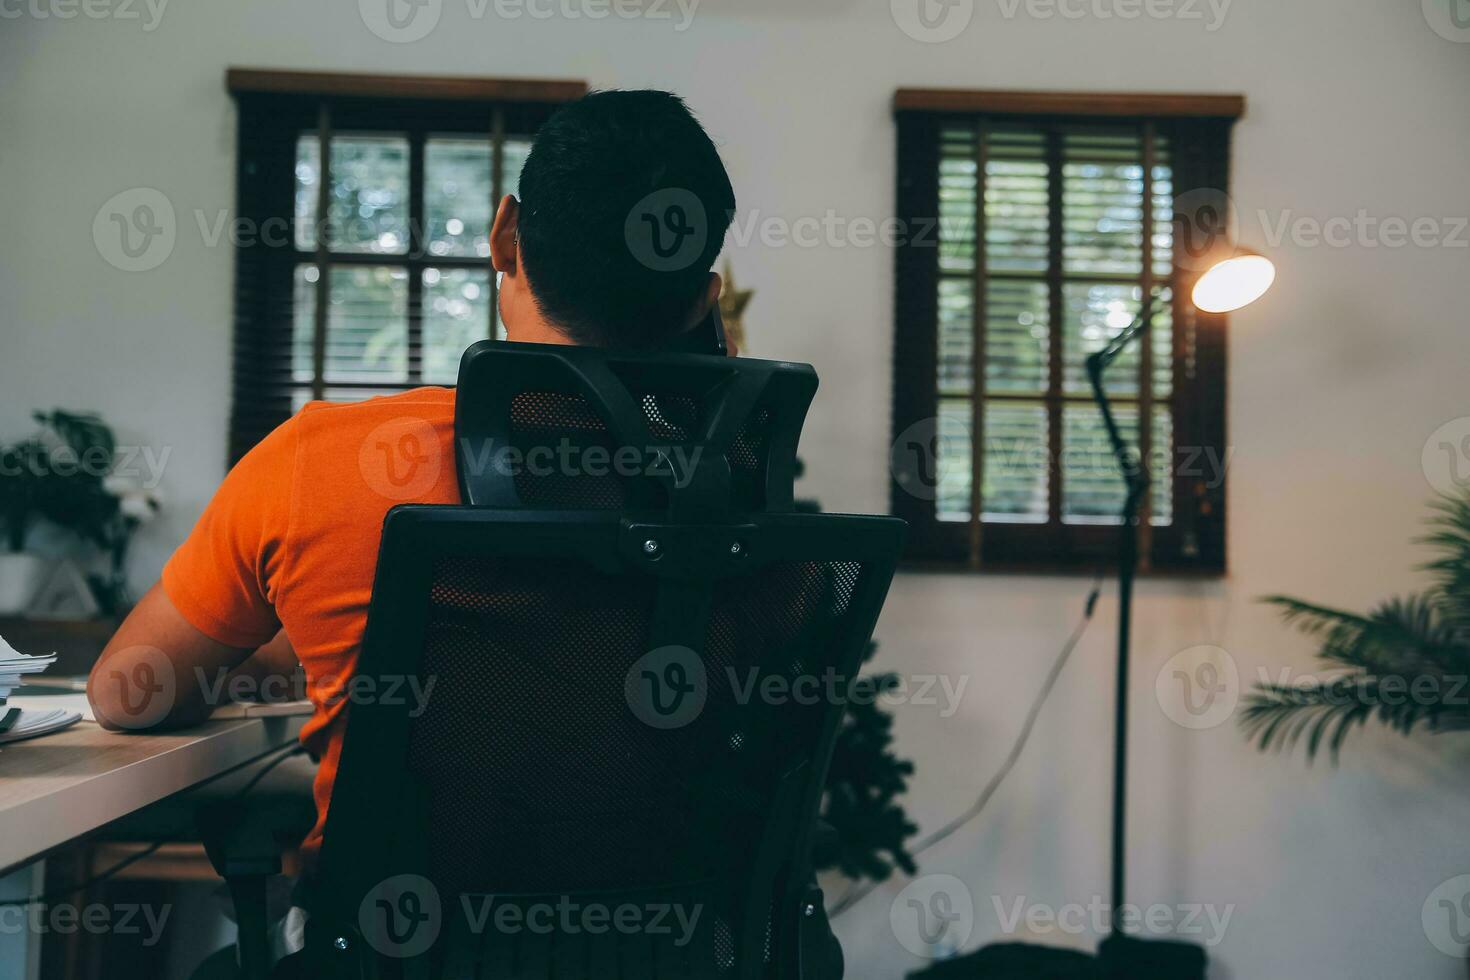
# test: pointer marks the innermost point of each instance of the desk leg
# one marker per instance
(20, 944)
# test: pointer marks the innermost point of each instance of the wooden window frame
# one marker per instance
(274, 109)
(1198, 127)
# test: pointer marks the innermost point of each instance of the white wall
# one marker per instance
(1336, 380)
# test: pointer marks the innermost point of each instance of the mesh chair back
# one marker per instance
(632, 707)
(556, 428)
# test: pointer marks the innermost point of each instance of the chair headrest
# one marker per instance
(701, 437)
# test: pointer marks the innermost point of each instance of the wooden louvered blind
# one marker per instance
(1052, 226)
(362, 264)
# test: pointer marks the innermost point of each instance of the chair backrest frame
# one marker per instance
(688, 551)
(728, 392)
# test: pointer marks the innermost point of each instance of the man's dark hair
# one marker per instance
(624, 207)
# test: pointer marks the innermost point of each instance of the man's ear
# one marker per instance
(710, 297)
(504, 243)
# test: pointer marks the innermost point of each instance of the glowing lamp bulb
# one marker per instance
(1234, 282)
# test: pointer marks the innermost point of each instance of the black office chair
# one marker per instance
(607, 779)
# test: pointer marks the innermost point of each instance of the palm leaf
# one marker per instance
(1323, 713)
(1449, 535)
(1404, 665)
(1407, 634)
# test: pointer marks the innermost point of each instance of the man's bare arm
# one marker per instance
(158, 671)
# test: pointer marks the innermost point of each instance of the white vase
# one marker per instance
(21, 576)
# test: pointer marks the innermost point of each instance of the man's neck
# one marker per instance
(535, 330)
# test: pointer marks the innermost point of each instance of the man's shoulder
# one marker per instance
(434, 405)
(395, 448)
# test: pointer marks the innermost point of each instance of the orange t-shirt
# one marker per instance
(291, 540)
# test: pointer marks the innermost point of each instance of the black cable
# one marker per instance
(860, 891)
(281, 755)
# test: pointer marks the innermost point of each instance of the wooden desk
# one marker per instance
(62, 786)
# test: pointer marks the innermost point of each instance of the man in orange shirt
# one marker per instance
(280, 565)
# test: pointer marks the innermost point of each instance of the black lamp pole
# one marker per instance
(1135, 477)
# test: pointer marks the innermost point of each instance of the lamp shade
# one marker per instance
(1235, 281)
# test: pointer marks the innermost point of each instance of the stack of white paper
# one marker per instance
(14, 668)
(34, 722)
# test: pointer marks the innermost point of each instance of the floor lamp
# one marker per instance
(1233, 277)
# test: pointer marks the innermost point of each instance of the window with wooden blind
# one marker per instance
(1038, 223)
(363, 251)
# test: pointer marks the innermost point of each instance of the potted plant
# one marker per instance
(67, 476)
(84, 494)
(1403, 664)
(22, 468)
